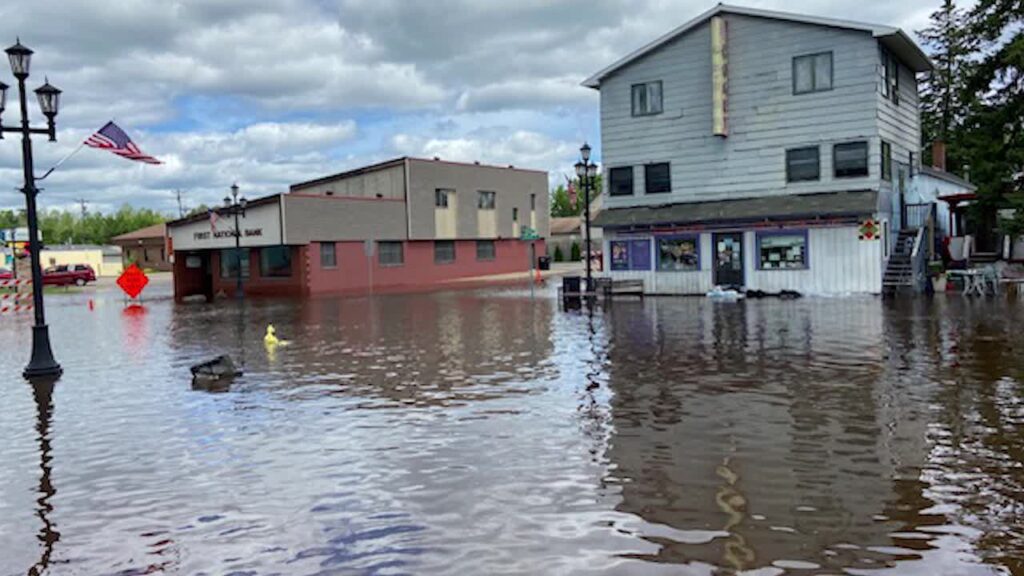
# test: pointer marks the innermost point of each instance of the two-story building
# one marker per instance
(405, 224)
(758, 149)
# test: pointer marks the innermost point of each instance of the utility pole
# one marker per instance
(181, 207)
(85, 210)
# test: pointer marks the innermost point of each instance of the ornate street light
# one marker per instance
(235, 205)
(586, 172)
(42, 365)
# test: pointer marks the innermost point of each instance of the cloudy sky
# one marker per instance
(268, 92)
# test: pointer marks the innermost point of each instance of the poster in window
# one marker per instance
(640, 255)
(620, 255)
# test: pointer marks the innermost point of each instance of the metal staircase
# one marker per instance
(899, 273)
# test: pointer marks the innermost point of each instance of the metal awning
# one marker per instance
(744, 210)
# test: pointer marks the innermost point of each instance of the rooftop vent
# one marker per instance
(437, 158)
(329, 192)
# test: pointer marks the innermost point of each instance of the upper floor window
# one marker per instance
(515, 214)
(441, 197)
(890, 76)
(850, 159)
(485, 200)
(803, 164)
(812, 73)
(620, 181)
(647, 98)
(657, 179)
(886, 161)
(533, 202)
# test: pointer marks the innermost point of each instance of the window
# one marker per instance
(890, 76)
(485, 200)
(782, 250)
(680, 254)
(328, 256)
(803, 164)
(276, 261)
(485, 249)
(886, 161)
(441, 197)
(812, 73)
(229, 263)
(444, 251)
(647, 98)
(850, 159)
(145, 254)
(390, 253)
(630, 254)
(533, 202)
(657, 179)
(515, 214)
(621, 181)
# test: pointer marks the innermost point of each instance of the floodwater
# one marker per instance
(489, 432)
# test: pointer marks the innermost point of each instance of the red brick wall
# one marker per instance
(419, 271)
(187, 281)
(259, 285)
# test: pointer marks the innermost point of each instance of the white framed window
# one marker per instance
(803, 164)
(647, 99)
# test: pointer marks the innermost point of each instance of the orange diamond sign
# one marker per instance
(133, 281)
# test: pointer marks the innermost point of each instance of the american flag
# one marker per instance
(214, 217)
(113, 139)
(571, 189)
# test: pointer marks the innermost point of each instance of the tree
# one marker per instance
(559, 255)
(60, 227)
(994, 131)
(574, 252)
(561, 205)
(944, 93)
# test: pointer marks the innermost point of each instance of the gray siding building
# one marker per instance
(816, 119)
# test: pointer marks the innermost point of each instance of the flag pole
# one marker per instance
(61, 161)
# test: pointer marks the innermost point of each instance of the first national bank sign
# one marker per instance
(261, 226)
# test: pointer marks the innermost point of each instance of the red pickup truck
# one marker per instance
(65, 275)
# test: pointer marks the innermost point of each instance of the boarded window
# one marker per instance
(485, 249)
(680, 254)
(657, 179)
(444, 252)
(328, 256)
(620, 181)
(390, 253)
(850, 159)
(812, 73)
(229, 260)
(803, 164)
(647, 98)
(782, 251)
(485, 200)
(276, 261)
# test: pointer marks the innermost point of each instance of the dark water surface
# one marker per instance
(491, 433)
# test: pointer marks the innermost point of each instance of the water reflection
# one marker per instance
(48, 536)
(481, 432)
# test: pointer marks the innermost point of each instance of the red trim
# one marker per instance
(959, 197)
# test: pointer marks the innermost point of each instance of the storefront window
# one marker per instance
(229, 263)
(630, 254)
(681, 254)
(390, 253)
(276, 261)
(782, 251)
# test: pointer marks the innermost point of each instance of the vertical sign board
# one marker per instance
(719, 77)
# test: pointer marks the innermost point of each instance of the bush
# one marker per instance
(574, 254)
(559, 256)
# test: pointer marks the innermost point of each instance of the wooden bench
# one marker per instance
(624, 288)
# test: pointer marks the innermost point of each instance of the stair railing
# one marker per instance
(919, 256)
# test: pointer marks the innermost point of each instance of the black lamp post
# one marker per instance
(235, 205)
(42, 363)
(586, 171)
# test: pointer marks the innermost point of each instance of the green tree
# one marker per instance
(559, 255)
(574, 252)
(61, 227)
(944, 92)
(562, 207)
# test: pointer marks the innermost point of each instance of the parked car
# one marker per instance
(6, 274)
(65, 275)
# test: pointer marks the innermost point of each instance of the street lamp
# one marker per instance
(42, 364)
(586, 171)
(235, 205)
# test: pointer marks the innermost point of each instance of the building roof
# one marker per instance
(220, 209)
(78, 248)
(948, 177)
(765, 208)
(565, 225)
(892, 38)
(147, 233)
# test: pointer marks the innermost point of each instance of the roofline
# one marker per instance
(876, 30)
(475, 165)
(947, 176)
(396, 162)
(218, 209)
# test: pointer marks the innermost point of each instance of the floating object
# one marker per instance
(219, 369)
(719, 293)
(92, 305)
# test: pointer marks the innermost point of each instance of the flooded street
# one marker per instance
(489, 432)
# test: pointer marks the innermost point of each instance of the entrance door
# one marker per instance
(728, 259)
